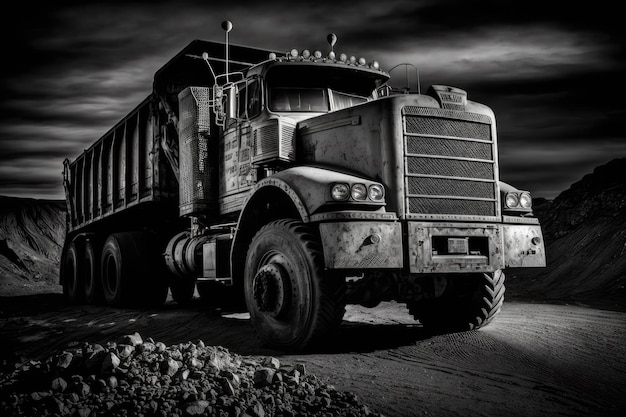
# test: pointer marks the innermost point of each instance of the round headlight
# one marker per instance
(359, 192)
(512, 200)
(340, 192)
(525, 200)
(376, 192)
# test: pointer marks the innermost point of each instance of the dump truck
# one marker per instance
(290, 184)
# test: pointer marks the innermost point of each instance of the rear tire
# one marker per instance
(129, 271)
(72, 274)
(92, 281)
(468, 303)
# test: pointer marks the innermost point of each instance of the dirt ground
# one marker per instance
(533, 360)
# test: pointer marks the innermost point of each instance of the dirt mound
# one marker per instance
(31, 239)
(137, 377)
(585, 232)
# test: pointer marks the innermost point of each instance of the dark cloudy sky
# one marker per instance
(553, 75)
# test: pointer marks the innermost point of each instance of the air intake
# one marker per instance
(198, 153)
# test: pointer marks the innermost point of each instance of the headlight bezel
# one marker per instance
(517, 201)
(359, 192)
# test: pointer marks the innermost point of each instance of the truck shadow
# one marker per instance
(35, 326)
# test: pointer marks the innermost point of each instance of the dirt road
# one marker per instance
(533, 360)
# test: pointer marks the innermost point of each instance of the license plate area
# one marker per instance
(460, 245)
(448, 247)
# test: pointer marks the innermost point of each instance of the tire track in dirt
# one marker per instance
(533, 360)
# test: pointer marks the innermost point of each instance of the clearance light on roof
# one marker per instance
(332, 57)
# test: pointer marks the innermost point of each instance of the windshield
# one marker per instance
(318, 88)
(299, 99)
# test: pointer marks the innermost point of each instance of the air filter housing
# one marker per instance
(198, 153)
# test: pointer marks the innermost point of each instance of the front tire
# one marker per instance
(468, 303)
(292, 302)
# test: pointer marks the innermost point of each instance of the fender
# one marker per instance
(296, 193)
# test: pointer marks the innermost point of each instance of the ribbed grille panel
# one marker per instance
(446, 127)
(450, 187)
(449, 164)
(448, 147)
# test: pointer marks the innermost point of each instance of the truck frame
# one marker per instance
(291, 184)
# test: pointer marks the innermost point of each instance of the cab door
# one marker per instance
(238, 175)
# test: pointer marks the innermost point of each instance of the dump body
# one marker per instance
(123, 169)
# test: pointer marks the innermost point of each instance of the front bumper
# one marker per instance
(432, 247)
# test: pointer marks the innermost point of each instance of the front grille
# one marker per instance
(450, 164)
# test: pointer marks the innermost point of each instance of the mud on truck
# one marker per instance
(292, 184)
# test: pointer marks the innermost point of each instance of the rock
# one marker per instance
(256, 410)
(132, 339)
(124, 351)
(64, 360)
(111, 382)
(83, 389)
(271, 362)
(109, 363)
(263, 377)
(146, 347)
(196, 408)
(301, 368)
(232, 378)
(58, 385)
(160, 347)
(169, 367)
(196, 363)
(227, 387)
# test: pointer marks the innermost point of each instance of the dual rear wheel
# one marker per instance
(124, 271)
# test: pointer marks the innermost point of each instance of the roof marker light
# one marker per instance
(352, 59)
(294, 53)
(343, 57)
(317, 54)
(306, 54)
(272, 56)
(362, 61)
(331, 55)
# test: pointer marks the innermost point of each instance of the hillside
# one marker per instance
(31, 238)
(585, 231)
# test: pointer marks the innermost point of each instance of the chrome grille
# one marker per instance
(450, 164)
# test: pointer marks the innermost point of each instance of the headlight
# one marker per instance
(511, 200)
(525, 201)
(340, 192)
(359, 192)
(376, 192)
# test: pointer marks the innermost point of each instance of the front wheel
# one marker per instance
(292, 302)
(469, 302)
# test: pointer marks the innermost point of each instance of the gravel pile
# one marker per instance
(146, 378)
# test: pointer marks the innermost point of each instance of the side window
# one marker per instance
(241, 101)
(254, 98)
